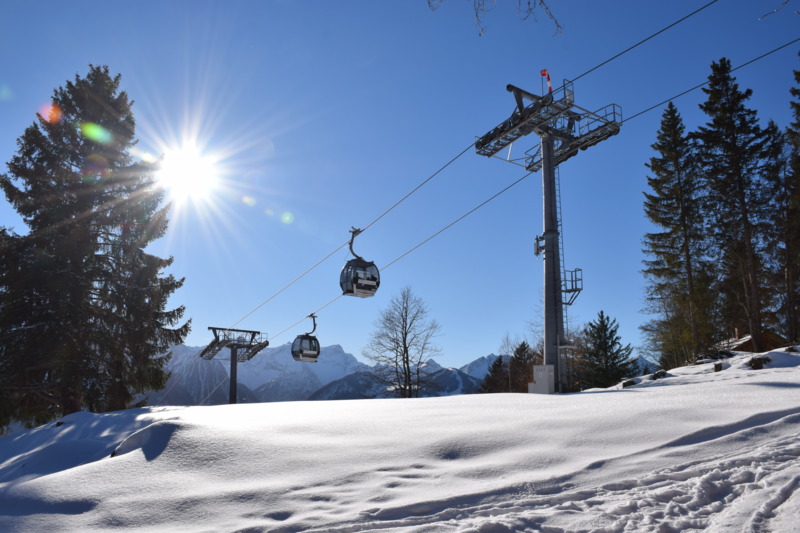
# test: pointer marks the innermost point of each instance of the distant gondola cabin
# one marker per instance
(305, 348)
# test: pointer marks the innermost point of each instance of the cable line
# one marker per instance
(687, 91)
(662, 30)
(302, 319)
(218, 385)
(456, 221)
(212, 391)
(259, 306)
(404, 198)
(401, 256)
(315, 265)
(295, 280)
(464, 151)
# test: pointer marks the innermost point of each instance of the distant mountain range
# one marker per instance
(273, 376)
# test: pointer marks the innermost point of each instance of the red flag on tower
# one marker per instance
(546, 74)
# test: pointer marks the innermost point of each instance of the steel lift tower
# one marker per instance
(250, 342)
(563, 129)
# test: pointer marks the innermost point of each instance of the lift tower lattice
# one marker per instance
(251, 342)
(563, 129)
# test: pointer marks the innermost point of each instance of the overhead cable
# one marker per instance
(456, 221)
(401, 200)
(662, 30)
(413, 248)
(687, 91)
(315, 265)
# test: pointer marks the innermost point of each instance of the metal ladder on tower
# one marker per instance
(571, 280)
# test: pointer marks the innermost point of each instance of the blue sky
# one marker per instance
(319, 116)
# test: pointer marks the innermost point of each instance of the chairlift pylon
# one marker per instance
(305, 348)
(359, 277)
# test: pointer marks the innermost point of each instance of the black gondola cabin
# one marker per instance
(359, 278)
(305, 348)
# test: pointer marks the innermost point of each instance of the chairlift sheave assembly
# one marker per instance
(305, 348)
(359, 277)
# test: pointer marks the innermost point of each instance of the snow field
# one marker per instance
(696, 450)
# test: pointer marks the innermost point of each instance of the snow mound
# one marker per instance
(151, 440)
(698, 449)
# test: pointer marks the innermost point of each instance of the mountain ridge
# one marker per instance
(272, 375)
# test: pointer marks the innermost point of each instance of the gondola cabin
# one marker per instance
(305, 348)
(359, 278)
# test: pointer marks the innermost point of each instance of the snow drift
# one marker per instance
(694, 450)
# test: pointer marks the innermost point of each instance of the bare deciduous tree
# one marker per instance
(402, 344)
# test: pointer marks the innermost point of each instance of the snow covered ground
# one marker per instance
(695, 450)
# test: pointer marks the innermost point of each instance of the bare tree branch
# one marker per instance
(526, 9)
(762, 17)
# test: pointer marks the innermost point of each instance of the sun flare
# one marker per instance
(186, 173)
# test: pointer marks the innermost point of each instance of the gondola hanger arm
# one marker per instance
(354, 232)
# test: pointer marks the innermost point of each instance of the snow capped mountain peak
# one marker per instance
(479, 367)
(273, 375)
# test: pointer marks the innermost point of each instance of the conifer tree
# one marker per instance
(781, 251)
(604, 360)
(83, 316)
(496, 379)
(676, 271)
(513, 371)
(732, 147)
(784, 217)
(521, 367)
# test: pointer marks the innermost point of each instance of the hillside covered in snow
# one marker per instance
(701, 448)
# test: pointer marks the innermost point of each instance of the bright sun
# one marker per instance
(187, 174)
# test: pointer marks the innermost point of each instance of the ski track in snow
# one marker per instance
(731, 490)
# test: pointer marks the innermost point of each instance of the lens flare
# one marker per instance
(287, 218)
(249, 201)
(147, 157)
(50, 113)
(96, 132)
(5, 92)
(94, 169)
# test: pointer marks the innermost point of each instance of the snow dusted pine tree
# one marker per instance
(83, 312)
